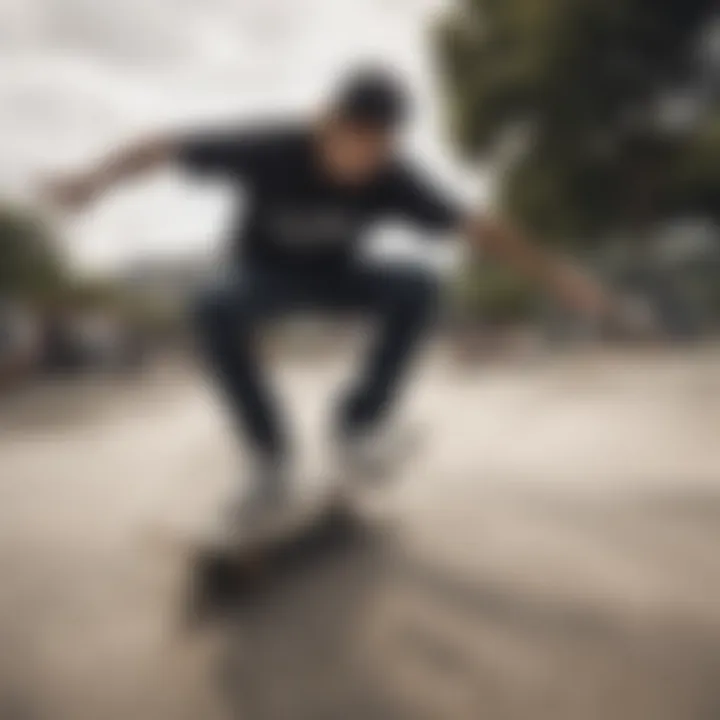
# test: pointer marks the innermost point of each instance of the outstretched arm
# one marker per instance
(413, 195)
(79, 189)
(568, 283)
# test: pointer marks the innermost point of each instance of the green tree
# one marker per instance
(30, 266)
(608, 104)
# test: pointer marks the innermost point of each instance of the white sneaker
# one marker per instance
(370, 456)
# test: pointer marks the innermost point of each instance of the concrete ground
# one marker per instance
(550, 554)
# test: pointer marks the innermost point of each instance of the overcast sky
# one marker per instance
(79, 75)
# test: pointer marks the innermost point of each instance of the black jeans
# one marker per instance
(400, 300)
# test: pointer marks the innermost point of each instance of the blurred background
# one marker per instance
(553, 547)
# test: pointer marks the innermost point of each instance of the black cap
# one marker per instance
(373, 97)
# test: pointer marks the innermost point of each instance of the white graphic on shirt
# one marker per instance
(310, 227)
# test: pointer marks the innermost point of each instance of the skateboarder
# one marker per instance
(310, 190)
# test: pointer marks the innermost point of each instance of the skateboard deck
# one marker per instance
(228, 569)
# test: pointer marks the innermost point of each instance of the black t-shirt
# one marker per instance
(296, 216)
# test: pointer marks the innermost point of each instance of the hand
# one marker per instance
(71, 193)
(570, 285)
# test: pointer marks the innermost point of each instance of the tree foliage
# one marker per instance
(34, 270)
(30, 266)
(609, 102)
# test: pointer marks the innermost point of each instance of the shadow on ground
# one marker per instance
(357, 626)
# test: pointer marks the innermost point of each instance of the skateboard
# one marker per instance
(227, 569)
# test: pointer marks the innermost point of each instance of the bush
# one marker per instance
(30, 267)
